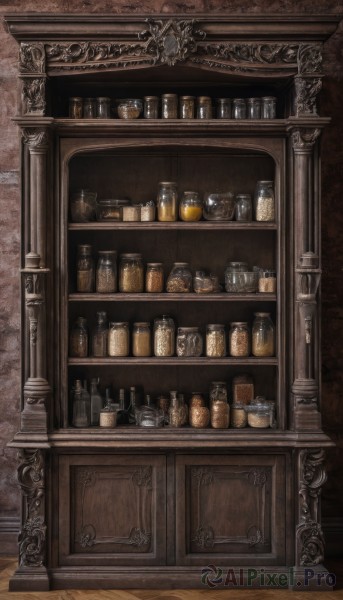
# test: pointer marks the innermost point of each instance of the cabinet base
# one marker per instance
(27, 579)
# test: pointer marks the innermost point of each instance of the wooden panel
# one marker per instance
(112, 510)
(230, 509)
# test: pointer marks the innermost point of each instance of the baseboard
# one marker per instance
(9, 530)
(333, 533)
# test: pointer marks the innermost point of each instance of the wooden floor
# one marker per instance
(8, 565)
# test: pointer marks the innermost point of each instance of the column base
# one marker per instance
(34, 417)
(30, 579)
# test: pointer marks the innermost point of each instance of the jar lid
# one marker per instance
(84, 248)
(118, 324)
(131, 255)
(215, 326)
(223, 100)
(154, 264)
(103, 99)
(150, 97)
(269, 98)
(237, 264)
(243, 196)
(141, 324)
(81, 320)
(188, 329)
(180, 264)
(186, 97)
(261, 314)
(266, 181)
(267, 273)
(239, 100)
(253, 100)
(75, 99)
(169, 95)
(114, 202)
(89, 99)
(107, 252)
(203, 99)
(239, 324)
(167, 183)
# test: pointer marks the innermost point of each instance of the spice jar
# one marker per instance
(218, 391)
(89, 108)
(118, 339)
(169, 106)
(254, 108)
(204, 107)
(268, 107)
(236, 266)
(132, 212)
(189, 342)
(84, 269)
(204, 283)
(131, 273)
(141, 339)
(167, 201)
(243, 389)
(148, 211)
(267, 282)
(108, 416)
(83, 206)
(264, 201)
(179, 279)
(243, 207)
(150, 107)
(196, 399)
(79, 339)
(103, 109)
(129, 108)
(239, 108)
(75, 107)
(190, 208)
(239, 339)
(220, 414)
(154, 278)
(215, 341)
(176, 414)
(199, 417)
(263, 334)
(260, 413)
(223, 108)
(186, 107)
(111, 209)
(164, 336)
(106, 272)
(238, 416)
(100, 335)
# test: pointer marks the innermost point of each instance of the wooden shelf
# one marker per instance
(166, 297)
(173, 361)
(171, 226)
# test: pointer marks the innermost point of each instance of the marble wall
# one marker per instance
(332, 221)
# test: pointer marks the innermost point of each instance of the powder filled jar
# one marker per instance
(141, 339)
(106, 272)
(154, 278)
(264, 201)
(167, 200)
(190, 208)
(220, 414)
(239, 339)
(204, 107)
(267, 282)
(215, 341)
(186, 107)
(131, 273)
(238, 416)
(85, 269)
(169, 106)
(263, 335)
(199, 417)
(118, 339)
(164, 336)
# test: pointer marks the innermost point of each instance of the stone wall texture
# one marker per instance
(332, 219)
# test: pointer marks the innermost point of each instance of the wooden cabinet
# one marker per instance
(136, 507)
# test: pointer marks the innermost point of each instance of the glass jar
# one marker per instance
(260, 413)
(199, 417)
(189, 342)
(223, 108)
(81, 405)
(84, 269)
(235, 266)
(243, 389)
(131, 273)
(108, 415)
(106, 272)
(241, 282)
(267, 282)
(220, 414)
(96, 402)
(239, 337)
(197, 399)
(154, 278)
(219, 206)
(83, 206)
(103, 108)
(75, 107)
(263, 334)
(218, 391)
(164, 336)
(141, 339)
(243, 207)
(264, 201)
(204, 283)
(186, 107)
(100, 335)
(169, 106)
(238, 416)
(204, 107)
(78, 347)
(190, 208)
(130, 108)
(268, 107)
(132, 213)
(118, 339)
(150, 107)
(179, 280)
(148, 210)
(111, 209)
(163, 403)
(239, 108)
(167, 197)
(177, 412)
(89, 108)
(254, 108)
(215, 341)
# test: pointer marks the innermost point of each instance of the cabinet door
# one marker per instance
(230, 508)
(112, 510)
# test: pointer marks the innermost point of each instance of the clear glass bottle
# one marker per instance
(154, 277)
(100, 335)
(224, 108)
(239, 339)
(239, 108)
(118, 339)
(204, 107)
(254, 108)
(243, 207)
(187, 106)
(81, 406)
(164, 336)
(75, 107)
(167, 200)
(179, 280)
(264, 201)
(263, 335)
(131, 273)
(89, 108)
(96, 402)
(141, 339)
(83, 206)
(169, 106)
(106, 272)
(190, 208)
(215, 341)
(189, 342)
(268, 107)
(150, 110)
(133, 405)
(78, 346)
(85, 269)
(103, 108)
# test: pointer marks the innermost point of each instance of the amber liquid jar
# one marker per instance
(141, 339)
(167, 199)
(75, 107)
(85, 269)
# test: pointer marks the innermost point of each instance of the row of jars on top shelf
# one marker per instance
(172, 106)
(91, 409)
(113, 338)
(133, 278)
(190, 207)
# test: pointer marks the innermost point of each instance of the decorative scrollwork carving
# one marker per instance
(172, 41)
(34, 96)
(255, 536)
(87, 537)
(204, 537)
(309, 58)
(143, 477)
(139, 537)
(31, 58)
(33, 283)
(32, 543)
(306, 91)
(311, 540)
(204, 475)
(95, 55)
(33, 331)
(35, 137)
(257, 477)
(304, 138)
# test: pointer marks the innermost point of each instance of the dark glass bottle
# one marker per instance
(100, 335)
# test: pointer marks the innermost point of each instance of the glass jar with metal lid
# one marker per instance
(118, 339)
(223, 108)
(179, 279)
(254, 108)
(89, 108)
(141, 339)
(239, 108)
(263, 335)
(267, 281)
(100, 335)
(150, 107)
(220, 414)
(268, 107)
(78, 347)
(164, 336)
(204, 107)
(264, 201)
(169, 106)
(106, 272)
(186, 107)
(239, 337)
(103, 107)
(154, 278)
(131, 273)
(243, 207)
(215, 341)
(85, 269)
(189, 342)
(75, 107)
(218, 391)
(167, 198)
(190, 208)
(260, 412)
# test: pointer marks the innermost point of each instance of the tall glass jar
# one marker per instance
(169, 106)
(176, 411)
(186, 107)
(150, 107)
(131, 273)
(75, 107)
(81, 405)
(190, 208)
(141, 339)
(239, 337)
(220, 414)
(223, 108)
(89, 108)
(179, 280)
(268, 107)
(118, 339)
(103, 108)
(218, 391)
(84, 269)
(100, 335)
(167, 197)
(239, 108)
(78, 347)
(164, 336)
(204, 107)
(154, 278)
(189, 342)
(264, 201)
(215, 341)
(96, 402)
(243, 207)
(106, 272)
(263, 335)
(254, 108)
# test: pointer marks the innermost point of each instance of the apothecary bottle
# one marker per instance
(187, 107)
(169, 106)
(239, 339)
(215, 341)
(263, 335)
(89, 108)
(223, 108)
(81, 405)
(118, 339)
(164, 336)
(131, 273)
(264, 201)
(268, 107)
(100, 335)
(96, 402)
(204, 107)
(154, 278)
(141, 339)
(167, 199)
(254, 108)
(106, 272)
(103, 107)
(239, 108)
(190, 208)
(150, 110)
(179, 280)
(243, 207)
(75, 107)
(78, 347)
(84, 269)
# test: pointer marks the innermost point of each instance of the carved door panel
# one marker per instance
(230, 507)
(112, 510)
